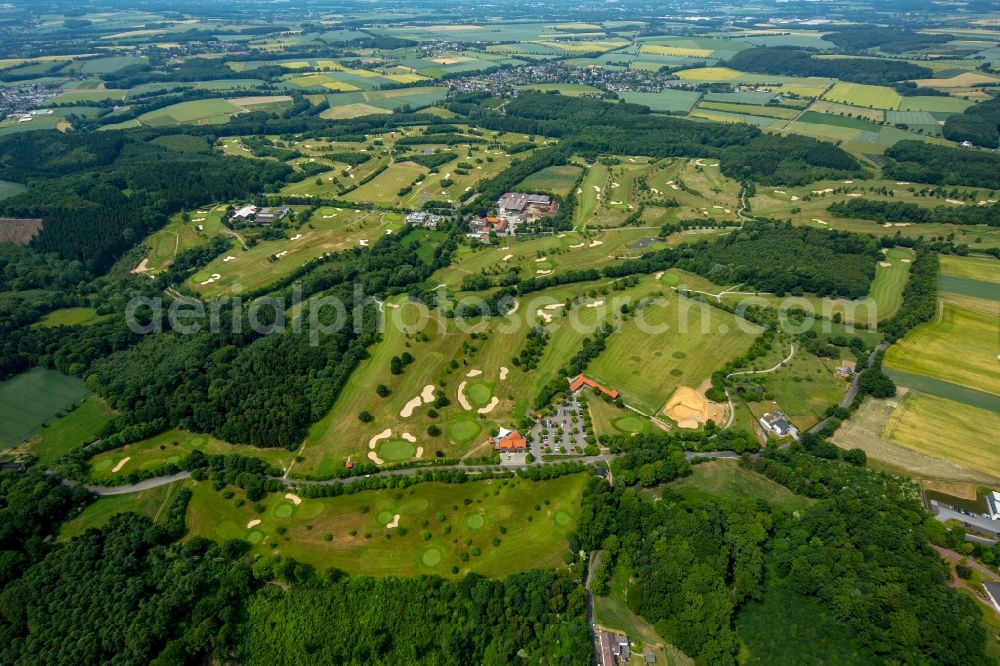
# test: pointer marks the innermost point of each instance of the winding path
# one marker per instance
(732, 409)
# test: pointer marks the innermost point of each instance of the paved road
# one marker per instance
(595, 561)
(853, 391)
(155, 482)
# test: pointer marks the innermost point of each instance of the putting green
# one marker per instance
(384, 517)
(173, 460)
(199, 440)
(561, 517)
(283, 510)
(543, 265)
(475, 521)
(479, 394)
(464, 431)
(670, 278)
(396, 450)
(431, 557)
(629, 424)
(255, 537)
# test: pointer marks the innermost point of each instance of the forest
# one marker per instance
(782, 259)
(699, 570)
(901, 211)
(99, 194)
(979, 124)
(941, 165)
(796, 62)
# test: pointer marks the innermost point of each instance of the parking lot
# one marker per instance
(561, 433)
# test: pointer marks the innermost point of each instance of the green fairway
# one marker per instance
(642, 364)
(959, 346)
(512, 525)
(33, 398)
(172, 446)
(78, 427)
(71, 317)
(556, 179)
(151, 503)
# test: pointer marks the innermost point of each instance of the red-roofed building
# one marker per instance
(509, 441)
(582, 381)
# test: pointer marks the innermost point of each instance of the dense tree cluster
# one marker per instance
(788, 160)
(941, 165)
(979, 124)
(919, 296)
(901, 211)
(797, 62)
(783, 259)
(888, 39)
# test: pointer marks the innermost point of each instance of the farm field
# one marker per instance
(750, 109)
(858, 94)
(76, 428)
(354, 104)
(867, 429)
(171, 447)
(674, 101)
(971, 268)
(514, 524)
(686, 342)
(725, 478)
(33, 398)
(151, 503)
(932, 349)
(570, 89)
(330, 230)
(946, 429)
(200, 112)
(556, 179)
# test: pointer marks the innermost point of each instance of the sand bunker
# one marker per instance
(385, 434)
(420, 452)
(905, 261)
(515, 308)
(826, 191)
(507, 257)
(884, 264)
(394, 523)
(296, 237)
(253, 523)
(794, 198)
(543, 272)
(374, 458)
(848, 182)
(293, 498)
(595, 304)
(363, 242)
(691, 409)
(503, 373)
(427, 395)
(819, 221)
(573, 247)
(408, 408)
(956, 202)
(281, 254)
(541, 259)
(228, 259)
(596, 188)
(902, 182)
(489, 408)
(121, 463)
(473, 373)
(408, 437)
(462, 400)
(215, 276)
(596, 243)
(141, 268)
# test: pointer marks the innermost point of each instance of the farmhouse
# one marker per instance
(509, 441)
(776, 423)
(613, 649)
(245, 213)
(269, 215)
(518, 207)
(582, 381)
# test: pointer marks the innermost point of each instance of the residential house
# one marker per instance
(509, 441)
(581, 382)
(776, 423)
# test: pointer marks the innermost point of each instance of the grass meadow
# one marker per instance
(32, 399)
(76, 428)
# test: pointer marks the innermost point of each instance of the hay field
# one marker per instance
(858, 94)
(33, 398)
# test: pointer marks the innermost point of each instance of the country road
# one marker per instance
(853, 391)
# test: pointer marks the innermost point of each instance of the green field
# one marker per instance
(555, 179)
(150, 503)
(960, 346)
(947, 429)
(499, 517)
(725, 478)
(71, 317)
(78, 427)
(180, 234)
(972, 268)
(173, 446)
(9, 189)
(858, 94)
(803, 388)
(33, 398)
(84, 96)
(754, 110)
(200, 112)
(647, 365)
(674, 101)
(569, 89)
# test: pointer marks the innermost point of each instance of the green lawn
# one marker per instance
(499, 517)
(556, 179)
(9, 189)
(33, 398)
(725, 478)
(78, 427)
(681, 343)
